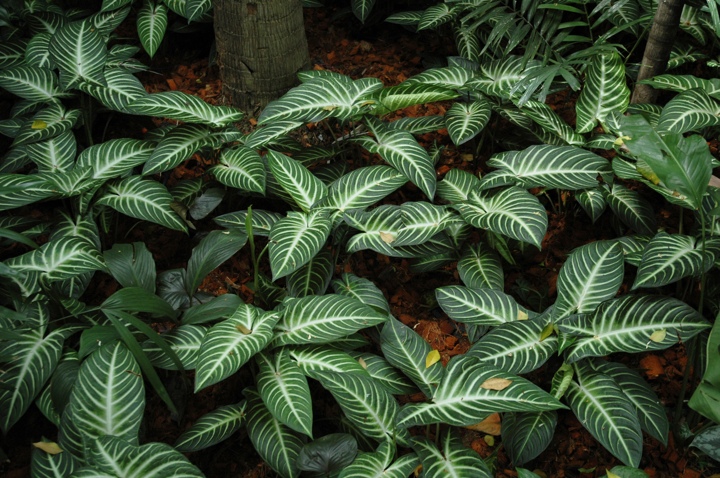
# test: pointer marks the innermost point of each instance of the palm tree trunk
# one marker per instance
(657, 50)
(261, 47)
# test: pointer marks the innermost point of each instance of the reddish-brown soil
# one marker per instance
(392, 54)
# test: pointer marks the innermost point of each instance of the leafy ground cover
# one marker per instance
(392, 56)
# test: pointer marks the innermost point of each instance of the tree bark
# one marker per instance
(261, 46)
(657, 50)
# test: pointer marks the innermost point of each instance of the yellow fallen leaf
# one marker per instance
(658, 335)
(38, 124)
(547, 331)
(489, 439)
(491, 425)
(387, 237)
(49, 447)
(243, 329)
(610, 474)
(362, 363)
(432, 358)
(496, 384)
(522, 315)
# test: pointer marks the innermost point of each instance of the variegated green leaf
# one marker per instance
(277, 444)
(60, 259)
(32, 83)
(368, 406)
(631, 324)
(550, 121)
(12, 52)
(178, 146)
(322, 319)
(266, 134)
(469, 393)
(79, 51)
(363, 187)
(183, 107)
(592, 274)
(512, 212)
(634, 211)
(465, 120)
(321, 97)
(350, 285)
(314, 277)
(285, 391)
(499, 77)
(232, 342)
(453, 459)
(602, 407)
(418, 124)
(435, 16)
(649, 409)
(213, 250)
(379, 464)
(116, 157)
(295, 239)
(405, 18)
(151, 24)
(592, 201)
(196, 9)
(323, 358)
(108, 397)
(561, 167)
(407, 351)
(457, 185)
(668, 258)
(387, 376)
(142, 199)
(45, 465)
(515, 347)
(213, 428)
(527, 434)
(29, 362)
(261, 221)
(46, 123)
(409, 94)
(121, 89)
(605, 90)
(403, 152)
(420, 222)
(184, 340)
(296, 180)
(680, 83)
(56, 154)
(362, 8)
(479, 306)
(113, 456)
(480, 267)
(689, 111)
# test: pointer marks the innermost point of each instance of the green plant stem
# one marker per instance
(251, 240)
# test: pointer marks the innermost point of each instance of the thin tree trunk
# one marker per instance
(659, 45)
(261, 47)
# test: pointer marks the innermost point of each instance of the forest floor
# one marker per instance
(392, 54)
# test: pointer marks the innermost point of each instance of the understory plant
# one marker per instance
(85, 365)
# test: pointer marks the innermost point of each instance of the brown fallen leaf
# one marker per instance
(496, 384)
(491, 425)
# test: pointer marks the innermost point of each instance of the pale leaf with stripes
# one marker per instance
(452, 458)
(605, 90)
(465, 120)
(152, 21)
(295, 239)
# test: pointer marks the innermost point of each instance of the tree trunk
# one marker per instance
(657, 51)
(261, 47)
